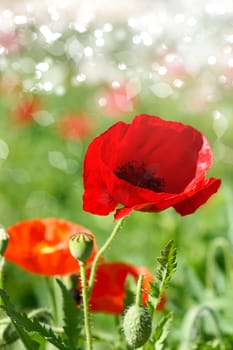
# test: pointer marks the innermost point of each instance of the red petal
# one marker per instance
(164, 147)
(109, 289)
(96, 198)
(41, 246)
(189, 205)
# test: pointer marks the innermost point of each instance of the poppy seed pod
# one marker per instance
(137, 325)
(81, 246)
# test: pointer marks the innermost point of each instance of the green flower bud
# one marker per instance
(4, 239)
(137, 326)
(81, 246)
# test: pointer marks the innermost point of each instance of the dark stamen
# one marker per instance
(136, 173)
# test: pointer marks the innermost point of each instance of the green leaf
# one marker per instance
(24, 325)
(28, 342)
(166, 267)
(72, 318)
(161, 331)
(9, 333)
(210, 345)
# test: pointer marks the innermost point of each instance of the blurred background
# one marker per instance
(70, 69)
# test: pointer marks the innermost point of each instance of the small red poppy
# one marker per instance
(148, 165)
(41, 246)
(25, 110)
(109, 290)
(75, 127)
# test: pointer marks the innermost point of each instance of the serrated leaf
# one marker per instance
(72, 318)
(24, 325)
(166, 267)
(9, 333)
(161, 331)
(154, 289)
(29, 343)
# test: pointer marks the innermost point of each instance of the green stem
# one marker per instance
(191, 321)
(138, 299)
(51, 288)
(219, 243)
(85, 305)
(211, 312)
(100, 253)
(2, 262)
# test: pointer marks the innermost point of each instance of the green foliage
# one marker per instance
(225, 342)
(210, 345)
(31, 331)
(9, 333)
(161, 331)
(72, 318)
(166, 267)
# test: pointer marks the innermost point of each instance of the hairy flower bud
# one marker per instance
(81, 246)
(137, 326)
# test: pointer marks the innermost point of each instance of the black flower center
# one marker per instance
(136, 174)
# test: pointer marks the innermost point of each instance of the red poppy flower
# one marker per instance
(148, 165)
(75, 127)
(109, 292)
(41, 246)
(25, 110)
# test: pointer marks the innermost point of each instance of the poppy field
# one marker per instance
(116, 168)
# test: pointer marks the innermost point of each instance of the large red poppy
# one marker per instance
(148, 165)
(41, 246)
(109, 289)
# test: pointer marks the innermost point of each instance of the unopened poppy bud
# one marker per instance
(4, 238)
(137, 326)
(81, 246)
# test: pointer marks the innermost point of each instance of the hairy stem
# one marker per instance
(101, 252)
(190, 325)
(85, 305)
(138, 299)
(2, 262)
(51, 288)
(219, 243)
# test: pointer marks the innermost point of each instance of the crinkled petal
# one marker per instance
(164, 147)
(41, 246)
(148, 165)
(96, 198)
(191, 204)
(109, 289)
